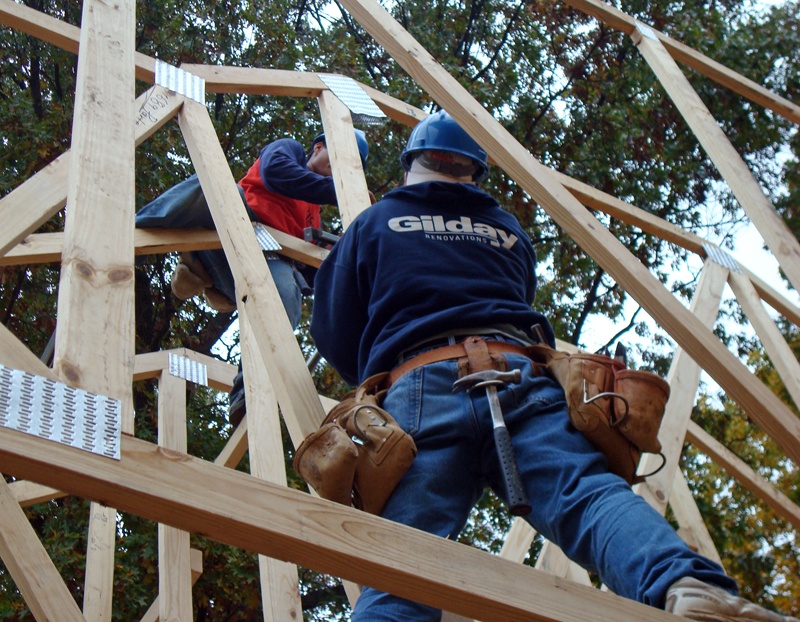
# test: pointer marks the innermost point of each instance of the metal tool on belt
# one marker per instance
(490, 379)
(319, 236)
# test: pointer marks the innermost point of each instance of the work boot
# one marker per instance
(237, 406)
(189, 278)
(696, 600)
(218, 301)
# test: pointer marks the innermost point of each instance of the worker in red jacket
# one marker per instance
(283, 189)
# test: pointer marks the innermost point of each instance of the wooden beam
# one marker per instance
(732, 80)
(254, 285)
(153, 241)
(779, 238)
(237, 509)
(280, 595)
(28, 493)
(777, 301)
(518, 541)
(694, 59)
(292, 84)
(352, 194)
(742, 473)
(149, 365)
(40, 25)
(174, 564)
(683, 379)
(29, 565)
(39, 248)
(196, 560)
(632, 215)
(627, 213)
(95, 340)
(98, 588)
(15, 355)
(774, 343)
(220, 376)
(704, 347)
(552, 560)
(395, 109)
(34, 202)
(46, 247)
(689, 518)
(236, 447)
(257, 81)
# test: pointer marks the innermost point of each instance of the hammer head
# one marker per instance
(488, 377)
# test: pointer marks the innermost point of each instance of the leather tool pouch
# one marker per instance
(359, 454)
(619, 410)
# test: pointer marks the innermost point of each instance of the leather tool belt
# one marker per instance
(619, 410)
(474, 354)
(360, 453)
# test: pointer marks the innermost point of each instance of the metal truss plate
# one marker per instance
(646, 31)
(180, 81)
(362, 108)
(716, 254)
(265, 239)
(188, 369)
(56, 412)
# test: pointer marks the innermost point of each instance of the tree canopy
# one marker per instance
(573, 91)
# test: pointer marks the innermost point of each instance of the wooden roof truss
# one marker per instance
(257, 512)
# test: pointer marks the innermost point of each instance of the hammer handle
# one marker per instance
(517, 499)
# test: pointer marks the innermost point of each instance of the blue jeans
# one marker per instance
(184, 206)
(593, 515)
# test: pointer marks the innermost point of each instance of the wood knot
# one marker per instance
(173, 454)
(71, 374)
(120, 275)
(84, 269)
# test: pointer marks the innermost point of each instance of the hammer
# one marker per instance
(490, 379)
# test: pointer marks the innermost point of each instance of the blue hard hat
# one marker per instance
(440, 132)
(361, 140)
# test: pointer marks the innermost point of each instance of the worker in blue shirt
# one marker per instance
(432, 273)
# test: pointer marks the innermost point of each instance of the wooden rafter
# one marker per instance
(734, 170)
(694, 59)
